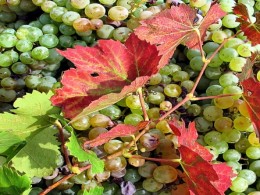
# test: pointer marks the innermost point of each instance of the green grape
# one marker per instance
(151, 185)
(255, 166)
(248, 174)
(218, 36)
(107, 2)
(26, 58)
(197, 3)
(40, 53)
(194, 109)
(169, 175)
(95, 10)
(32, 81)
(227, 54)
(224, 102)
(166, 79)
(213, 151)
(19, 68)
(69, 17)
(165, 105)
(236, 166)
(172, 90)
(153, 113)
(216, 61)
(35, 23)
(191, 53)
(155, 79)
(47, 6)
(38, 2)
(118, 13)
(231, 136)
(196, 63)
(231, 155)
(9, 31)
(105, 32)
(214, 90)
(24, 45)
(244, 50)
(45, 18)
(115, 164)
(7, 17)
(48, 40)
(82, 123)
(233, 43)
(112, 111)
(253, 152)
(7, 95)
(213, 72)
(133, 102)
(4, 72)
(50, 29)
(229, 32)
(203, 125)
(29, 33)
(66, 30)
(132, 175)
(113, 146)
(253, 140)
(242, 145)
(221, 146)
(242, 123)
(57, 13)
(223, 123)
(121, 33)
(147, 169)
(66, 41)
(133, 119)
(79, 4)
(212, 137)
(187, 84)
(237, 64)
(8, 83)
(215, 26)
(227, 5)
(180, 76)
(229, 21)
(5, 60)
(239, 184)
(233, 90)
(156, 98)
(100, 120)
(13, 54)
(8, 40)
(210, 47)
(249, 2)
(110, 188)
(212, 113)
(95, 132)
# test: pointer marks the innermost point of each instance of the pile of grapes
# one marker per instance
(32, 30)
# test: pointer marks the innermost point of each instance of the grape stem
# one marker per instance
(141, 97)
(66, 177)
(212, 97)
(65, 152)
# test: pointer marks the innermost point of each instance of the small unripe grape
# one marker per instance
(81, 124)
(100, 120)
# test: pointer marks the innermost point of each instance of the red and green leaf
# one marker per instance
(250, 29)
(251, 94)
(176, 26)
(104, 74)
(202, 176)
(118, 131)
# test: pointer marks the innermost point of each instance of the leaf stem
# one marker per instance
(66, 156)
(141, 97)
(200, 45)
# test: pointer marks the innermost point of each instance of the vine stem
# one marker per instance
(54, 185)
(212, 97)
(60, 128)
(141, 97)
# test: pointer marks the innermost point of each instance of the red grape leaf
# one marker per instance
(104, 74)
(175, 26)
(247, 70)
(250, 29)
(251, 94)
(202, 176)
(188, 137)
(118, 131)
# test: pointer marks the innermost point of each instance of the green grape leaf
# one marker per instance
(12, 183)
(30, 115)
(40, 156)
(7, 140)
(94, 191)
(97, 165)
(104, 74)
(176, 26)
